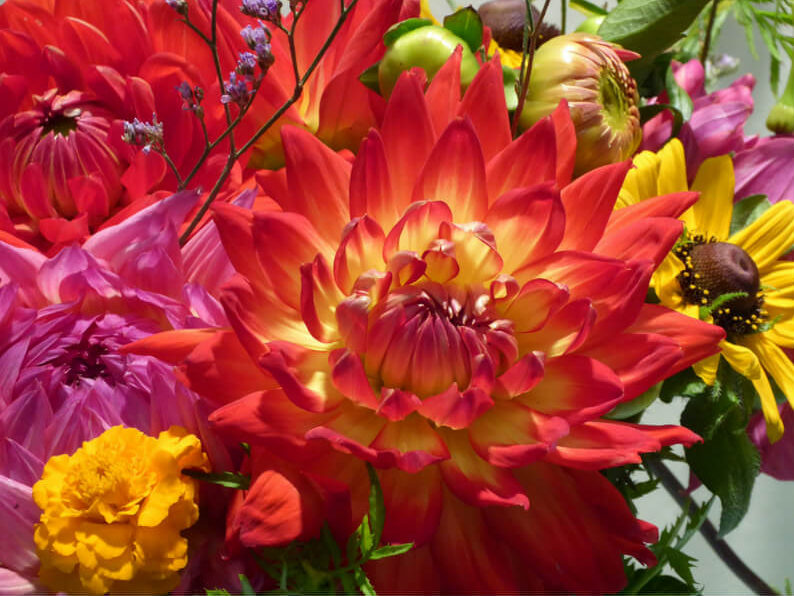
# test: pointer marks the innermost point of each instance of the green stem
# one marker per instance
(709, 532)
(563, 15)
(704, 51)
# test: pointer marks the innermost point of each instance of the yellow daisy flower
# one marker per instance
(709, 262)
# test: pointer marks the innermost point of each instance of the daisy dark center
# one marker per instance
(724, 276)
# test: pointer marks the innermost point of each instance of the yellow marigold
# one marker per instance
(112, 512)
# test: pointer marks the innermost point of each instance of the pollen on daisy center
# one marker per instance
(720, 269)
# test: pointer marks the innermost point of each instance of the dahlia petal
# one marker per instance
(775, 459)
(565, 136)
(431, 366)
(585, 220)
(647, 239)
(575, 387)
(352, 321)
(145, 172)
(19, 464)
(535, 150)
(672, 205)
(417, 228)
(396, 404)
(467, 557)
(696, 338)
(262, 415)
(406, 267)
(314, 392)
(21, 266)
(484, 103)
(571, 511)
(14, 583)
(764, 169)
(600, 444)
(285, 241)
(18, 514)
(531, 308)
(408, 136)
(272, 512)
(169, 346)
(347, 373)
(769, 236)
(473, 480)
(528, 224)
(456, 409)
(441, 266)
(34, 192)
(521, 377)
(319, 297)
(455, 173)
(235, 228)
(359, 251)
(345, 114)
(564, 332)
(443, 92)
(370, 183)
(323, 173)
(413, 505)
(512, 435)
(409, 444)
(477, 258)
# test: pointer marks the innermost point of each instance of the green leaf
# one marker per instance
(705, 311)
(466, 24)
(588, 8)
(391, 550)
(363, 583)
(747, 211)
(370, 78)
(727, 464)
(397, 30)
(649, 26)
(228, 479)
(365, 541)
(679, 99)
(635, 406)
(684, 384)
(216, 592)
(509, 77)
(681, 564)
(246, 589)
(377, 510)
(667, 584)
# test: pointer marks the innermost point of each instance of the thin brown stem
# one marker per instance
(172, 166)
(704, 51)
(528, 55)
(709, 532)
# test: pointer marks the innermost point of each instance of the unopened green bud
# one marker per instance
(781, 117)
(428, 48)
(590, 74)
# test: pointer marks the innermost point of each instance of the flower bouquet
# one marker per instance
(368, 296)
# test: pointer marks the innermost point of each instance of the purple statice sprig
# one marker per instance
(191, 97)
(267, 10)
(258, 40)
(237, 90)
(180, 6)
(148, 135)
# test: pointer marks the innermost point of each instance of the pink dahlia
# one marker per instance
(454, 310)
(763, 167)
(64, 322)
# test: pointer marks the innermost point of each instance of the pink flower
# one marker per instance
(764, 167)
(776, 460)
(64, 322)
(717, 123)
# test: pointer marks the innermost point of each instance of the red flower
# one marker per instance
(452, 308)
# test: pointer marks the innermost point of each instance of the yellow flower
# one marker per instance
(709, 261)
(112, 512)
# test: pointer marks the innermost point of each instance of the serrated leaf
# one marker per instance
(370, 78)
(391, 550)
(727, 464)
(682, 565)
(216, 592)
(228, 479)
(466, 24)
(747, 211)
(666, 584)
(365, 541)
(649, 27)
(397, 30)
(363, 583)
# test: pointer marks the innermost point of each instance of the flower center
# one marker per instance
(83, 360)
(424, 338)
(61, 122)
(724, 276)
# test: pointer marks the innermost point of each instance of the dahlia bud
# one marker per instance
(589, 73)
(506, 19)
(781, 116)
(428, 48)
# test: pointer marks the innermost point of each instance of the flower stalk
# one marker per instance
(527, 55)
